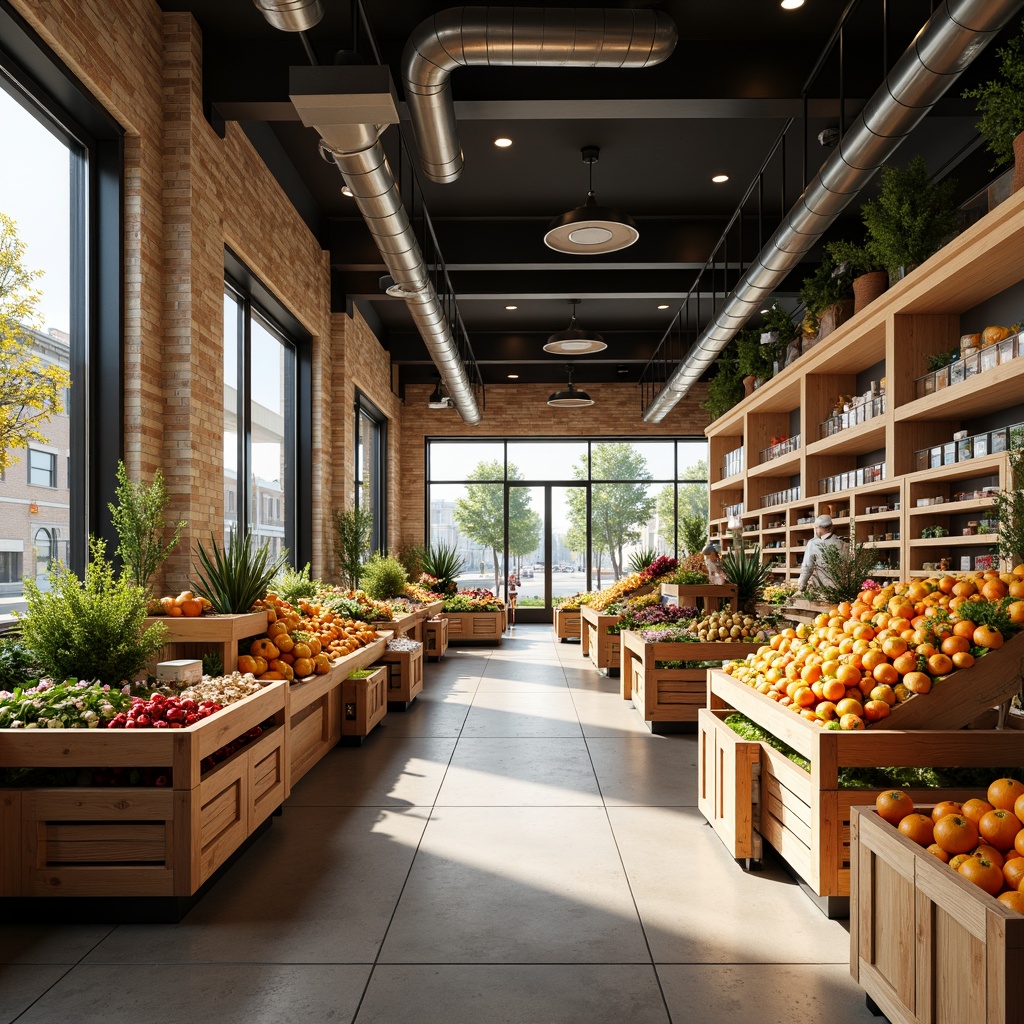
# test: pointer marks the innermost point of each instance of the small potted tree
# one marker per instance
(755, 360)
(828, 295)
(1001, 106)
(726, 387)
(909, 218)
(778, 333)
(869, 277)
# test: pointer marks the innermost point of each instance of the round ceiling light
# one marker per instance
(570, 398)
(511, 307)
(503, 143)
(513, 376)
(663, 305)
(718, 179)
(575, 340)
(791, 5)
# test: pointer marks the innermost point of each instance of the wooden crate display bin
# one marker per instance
(405, 676)
(437, 638)
(140, 841)
(364, 703)
(805, 815)
(703, 597)
(315, 713)
(669, 694)
(567, 624)
(596, 643)
(470, 627)
(194, 637)
(926, 944)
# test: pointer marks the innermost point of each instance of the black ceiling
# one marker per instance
(715, 106)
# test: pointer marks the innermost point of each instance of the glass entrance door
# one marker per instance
(542, 551)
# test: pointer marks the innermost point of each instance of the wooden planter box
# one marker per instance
(468, 627)
(596, 643)
(805, 815)
(194, 637)
(567, 624)
(140, 841)
(703, 597)
(405, 676)
(315, 714)
(437, 638)
(926, 944)
(364, 703)
(400, 625)
(670, 694)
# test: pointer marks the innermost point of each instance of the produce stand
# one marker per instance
(664, 696)
(315, 716)
(400, 625)
(194, 637)
(925, 943)
(405, 676)
(437, 638)
(596, 642)
(364, 704)
(567, 624)
(468, 627)
(702, 596)
(805, 815)
(140, 841)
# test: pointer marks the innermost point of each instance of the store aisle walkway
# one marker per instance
(515, 849)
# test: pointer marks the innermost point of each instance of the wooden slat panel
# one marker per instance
(892, 929)
(135, 803)
(224, 810)
(95, 880)
(10, 843)
(959, 972)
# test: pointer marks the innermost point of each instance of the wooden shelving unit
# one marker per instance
(918, 317)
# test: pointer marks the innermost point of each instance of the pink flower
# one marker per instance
(870, 585)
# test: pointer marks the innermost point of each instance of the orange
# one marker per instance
(191, 609)
(918, 828)
(986, 636)
(994, 590)
(956, 833)
(1016, 609)
(876, 710)
(1013, 900)
(960, 858)
(872, 658)
(303, 667)
(1013, 872)
(849, 706)
(848, 675)
(905, 663)
(975, 808)
(887, 674)
(833, 689)
(917, 682)
(964, 628)
(1003, 793)
(955, 645)
(963, 659)
(982, 873)
(883, 692)
(849, 722)
(937, 851)
(939, 665)
(940, 810)
(247, 664)
(894, 646)
(989, 853)
(1018, 807)
(1000, 828)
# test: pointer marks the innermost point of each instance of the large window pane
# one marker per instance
(547, 460)
(232, 339)
(270, 383)
(636, 460)
(623, 520)
(470, 517)
(371, 465)
(459, 460)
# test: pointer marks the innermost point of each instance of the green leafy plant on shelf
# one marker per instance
(296, 585)
(726, 388)
(1001, 102)
(444, 563)
(755, 359)
(750, 575)
(829, 285)
(411, 557)
(693, 532)
(234, 579)
(841, 572)
(138, 518)
(857, 259)
(941, 359)
(641, 559)
(383, 577)
(90, 629)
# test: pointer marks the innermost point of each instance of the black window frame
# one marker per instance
(365, 407)
(32, 468)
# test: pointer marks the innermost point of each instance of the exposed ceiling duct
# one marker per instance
(350, 107)
(519, 36)
(954, 35)
(291, 15)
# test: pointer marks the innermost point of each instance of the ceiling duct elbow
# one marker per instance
(291, 15)
(514, 36)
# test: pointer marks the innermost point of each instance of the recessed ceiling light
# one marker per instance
(513, 376)
(792, 5)
(511, 307)
(346, 191)
(719, 178)
(663, 305)
(503, 143)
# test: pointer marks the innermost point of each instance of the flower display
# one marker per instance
(74, 704)
(473, 601)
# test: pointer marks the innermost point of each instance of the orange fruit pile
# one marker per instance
(983, 840)
(853, 664)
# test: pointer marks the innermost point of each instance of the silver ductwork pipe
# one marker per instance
(291, 15)
(954, 35)
(529, 36)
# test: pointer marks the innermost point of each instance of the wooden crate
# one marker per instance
(400, 625)
(364, 703)
(928, 946)
(437, 638)
(703, 597)
(805, 815)
(596, 643)
(469, 627)
(405, 676)
(140, 841)
(567, 624)
(669, 694)
(194, 637)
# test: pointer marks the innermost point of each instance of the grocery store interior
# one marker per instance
(603, 304)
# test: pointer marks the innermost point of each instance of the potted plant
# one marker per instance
(909, 218)
(828, 295)
(1001, 106)
(756, 363)
(778, 332)
(870, 278)
(726, 387)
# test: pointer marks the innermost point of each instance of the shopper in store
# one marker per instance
(813, 566)
(713, 565)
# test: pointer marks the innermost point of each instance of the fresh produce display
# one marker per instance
(687, 625)
(854, 663)
(186, 603)
(161, 712)
(572, 604)
(421, 593)
(473, 601)
(640, 613)
(69, 705)
(355, 604)
(982, 839)
(222, 690)
(403, 643)
(659, 571)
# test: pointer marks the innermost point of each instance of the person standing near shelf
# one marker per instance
(713, 565)
(812, 563)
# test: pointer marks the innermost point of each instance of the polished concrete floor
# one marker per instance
(514, 849)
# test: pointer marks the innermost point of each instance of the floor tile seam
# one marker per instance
(49, 988)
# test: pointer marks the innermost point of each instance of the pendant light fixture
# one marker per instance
(570, 398)
(575, 340)
(591, 228)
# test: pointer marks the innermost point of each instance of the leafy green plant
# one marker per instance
(1001, 102)
(92, 629)
(234, 579)
(829, 285)
(726, 387)
(693, 531)
(352, 529)
(138, 518)
(755, 359)
(941, 359)
(444, 563)
(841, 573)
(856, 257)
(295, 585)
(641, 559)
(17, 665)
(383, 577)
(411, 556)
(750, 575)
(1009, 509)
(778, 321)
(909, 218)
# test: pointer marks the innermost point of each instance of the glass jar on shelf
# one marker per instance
(1008, 348)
